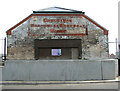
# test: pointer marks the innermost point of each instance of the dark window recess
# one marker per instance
(58, 49)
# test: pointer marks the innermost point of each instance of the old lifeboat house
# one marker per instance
(58, 44)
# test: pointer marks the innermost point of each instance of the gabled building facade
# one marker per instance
(69, 31)
(58, 44)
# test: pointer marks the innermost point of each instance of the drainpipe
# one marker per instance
(116, 48)
(4, 57)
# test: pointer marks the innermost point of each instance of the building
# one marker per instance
(56, 38)
(62, 24)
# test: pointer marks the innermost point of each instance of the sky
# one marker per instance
(104, 12)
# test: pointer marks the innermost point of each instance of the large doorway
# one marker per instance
(58, 49)
(53, 53)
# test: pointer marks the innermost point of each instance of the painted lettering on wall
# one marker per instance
(58, 25)
(57, 20)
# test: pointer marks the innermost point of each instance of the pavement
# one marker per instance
(56, 82)
(99, 84)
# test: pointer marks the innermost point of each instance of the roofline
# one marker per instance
(51, 12)
(65, 8)
(61, 8)
(70, 11)
(98, 25)
(8, 32)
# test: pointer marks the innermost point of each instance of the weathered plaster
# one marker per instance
(21, 41)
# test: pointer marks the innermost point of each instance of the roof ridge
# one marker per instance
(65, 8)
(54, 8)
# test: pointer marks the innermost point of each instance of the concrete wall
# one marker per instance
(70, 70)
(1, 77)
(1, 73)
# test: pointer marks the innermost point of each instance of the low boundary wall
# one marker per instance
(59, 70)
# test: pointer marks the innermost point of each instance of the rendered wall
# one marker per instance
(56, 70)
(21, 41)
